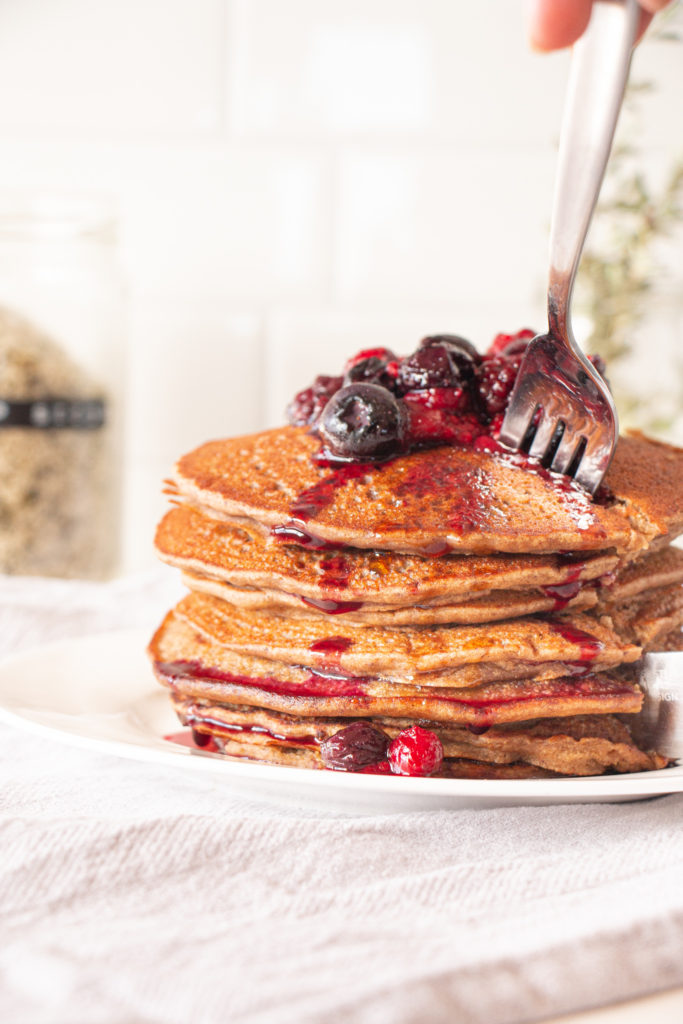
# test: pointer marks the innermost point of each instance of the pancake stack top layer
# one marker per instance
(460, 589)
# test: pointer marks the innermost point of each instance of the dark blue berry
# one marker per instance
(429, 367)
(362, 421)
(370, 370)
(355, 747)
(461, 349)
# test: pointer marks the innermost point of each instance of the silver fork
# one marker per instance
(561, 409)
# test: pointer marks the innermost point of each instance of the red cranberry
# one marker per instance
(510, 344)
(354, 748)
(305, 408)
(415, 751)
(496, 379)
(362, 421)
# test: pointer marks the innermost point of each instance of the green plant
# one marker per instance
(620, 267)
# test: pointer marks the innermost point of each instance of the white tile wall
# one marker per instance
(239, 223)
(297, 179)
(455, 70)
(414, 227)
(92, 67)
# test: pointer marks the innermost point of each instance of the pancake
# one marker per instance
(650, 572)
(659, 568)
(581, 745)
(408, 651)
(649, 617)
(243, 556)
(504, 604)
(474, 501)
(179, 641)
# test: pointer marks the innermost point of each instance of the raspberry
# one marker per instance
(510, 344)
(496, 378)
(354, 748)
(306, 406)
(415, 751)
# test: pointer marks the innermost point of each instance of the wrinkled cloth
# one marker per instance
(133, 893)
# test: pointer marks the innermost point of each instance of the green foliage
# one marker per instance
(619, 270)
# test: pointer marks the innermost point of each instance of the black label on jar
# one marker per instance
(53, 413)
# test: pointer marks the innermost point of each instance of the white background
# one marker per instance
(296, 179)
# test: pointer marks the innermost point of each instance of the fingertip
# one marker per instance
(556, 24)
(645, 19)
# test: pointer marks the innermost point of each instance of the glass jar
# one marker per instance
(61, 367)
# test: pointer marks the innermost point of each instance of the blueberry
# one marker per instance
(362, 421)
(354, 748)
(429, 367)
(463, 352)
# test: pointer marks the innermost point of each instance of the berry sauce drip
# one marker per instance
(313, 500)
(318, 684)
(562, 593)
(469, 496)
(197, 716)
(571, 586)
(194, 740)
(336, 571)
(588, 644)
(290, 533)
(332, 645)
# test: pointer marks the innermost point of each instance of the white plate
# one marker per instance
(99, 692)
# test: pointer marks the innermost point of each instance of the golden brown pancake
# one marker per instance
(650, 616)
(181, 641)
(474, 501)
(244, 557)
(505, 604)
(407, 651)
(662, 567)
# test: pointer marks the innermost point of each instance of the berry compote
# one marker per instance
(381, 405)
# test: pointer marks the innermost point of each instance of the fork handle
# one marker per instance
(597, 79)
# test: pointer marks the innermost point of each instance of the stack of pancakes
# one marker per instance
(464, 590)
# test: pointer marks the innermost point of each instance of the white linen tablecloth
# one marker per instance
(133, 893)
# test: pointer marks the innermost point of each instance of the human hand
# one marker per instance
(554, 24)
